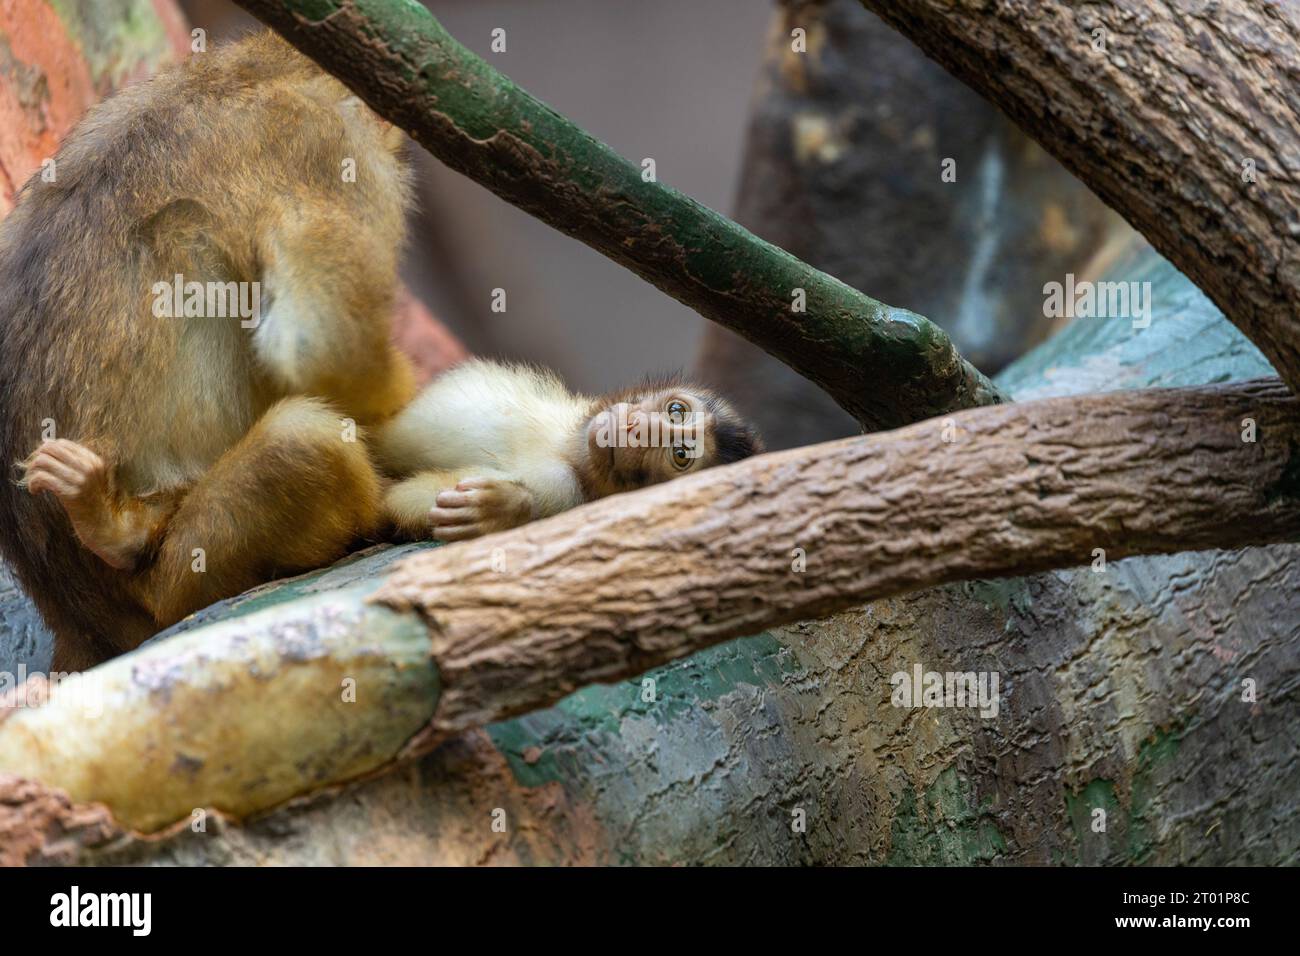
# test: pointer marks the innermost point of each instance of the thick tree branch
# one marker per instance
(627, 583)
(1184, 117)
(821, 173)
(237, 716)
(886, 366)
(254, 709)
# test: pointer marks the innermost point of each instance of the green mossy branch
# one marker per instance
(886, 366)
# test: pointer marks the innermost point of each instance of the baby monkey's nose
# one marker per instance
(634, 418)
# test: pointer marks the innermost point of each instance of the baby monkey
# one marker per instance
(488, 446)
(484, 448)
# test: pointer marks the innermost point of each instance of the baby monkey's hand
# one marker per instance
(480, 506)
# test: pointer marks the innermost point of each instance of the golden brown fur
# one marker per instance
(226, 169)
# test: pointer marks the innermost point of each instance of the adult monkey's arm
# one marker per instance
(1184, 117)
(887, 367)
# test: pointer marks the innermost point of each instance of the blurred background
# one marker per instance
(834, 152)
(670, 80)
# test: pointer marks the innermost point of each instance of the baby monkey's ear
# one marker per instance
(734, 438)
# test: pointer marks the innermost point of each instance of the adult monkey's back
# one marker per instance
(223, 443)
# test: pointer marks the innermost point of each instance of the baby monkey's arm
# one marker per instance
(458, 505)
(117, 528)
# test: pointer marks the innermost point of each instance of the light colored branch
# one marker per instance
(236, 716)
(614, 588)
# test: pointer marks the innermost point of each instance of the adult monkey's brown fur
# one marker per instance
(220, 438)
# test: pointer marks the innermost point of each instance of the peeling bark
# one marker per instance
(40, 826)
(885, 366)
(1158, 105)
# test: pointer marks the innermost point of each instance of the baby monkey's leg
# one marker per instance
(115, 527)
(458, 505)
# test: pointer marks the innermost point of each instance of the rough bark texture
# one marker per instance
(1158, 105)
(885, 366)
(1122, 691)
(521, 619)
(844, 168)
(56, 61)
(40, 826)
(25, 642)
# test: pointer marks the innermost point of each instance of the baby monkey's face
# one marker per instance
(653, 437)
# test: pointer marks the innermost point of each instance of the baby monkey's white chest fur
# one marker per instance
(488, 447)
(483, 419)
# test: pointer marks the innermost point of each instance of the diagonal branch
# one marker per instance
(1183, 117)
(885, 366)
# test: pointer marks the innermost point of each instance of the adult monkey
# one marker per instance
(182, 458)
(224, 446)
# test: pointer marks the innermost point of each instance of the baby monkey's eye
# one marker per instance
(677, 411)
(681, 456)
